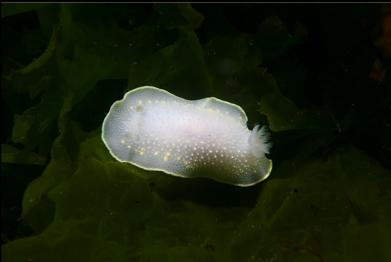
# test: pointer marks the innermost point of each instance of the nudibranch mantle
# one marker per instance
(156, 130)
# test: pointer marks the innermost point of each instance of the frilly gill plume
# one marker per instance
(259, 141)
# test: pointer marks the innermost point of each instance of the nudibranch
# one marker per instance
(156, 130)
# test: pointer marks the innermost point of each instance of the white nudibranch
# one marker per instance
(156, 130)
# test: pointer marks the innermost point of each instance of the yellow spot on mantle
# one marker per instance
(167, 156)
(141, 151)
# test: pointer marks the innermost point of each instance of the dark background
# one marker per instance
(328, 57)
